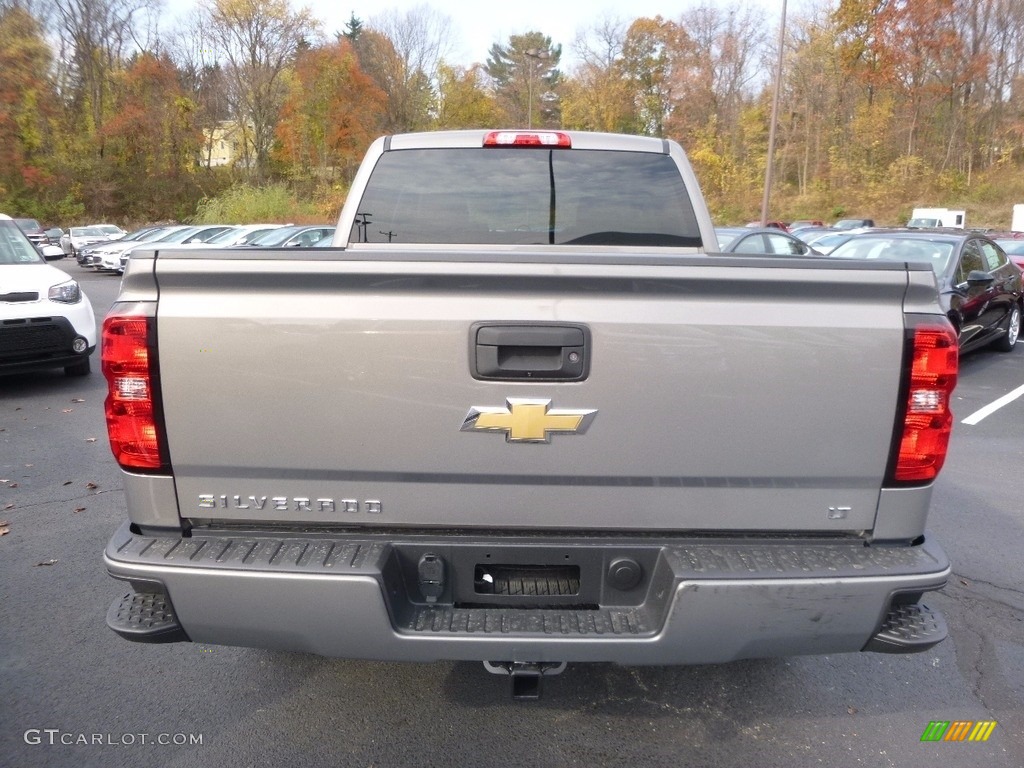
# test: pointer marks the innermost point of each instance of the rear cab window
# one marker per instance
(516, 196)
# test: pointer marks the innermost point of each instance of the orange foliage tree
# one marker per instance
(152, 140)
(27, 101)
(331, 114)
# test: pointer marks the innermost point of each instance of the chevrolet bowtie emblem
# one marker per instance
(527, 421)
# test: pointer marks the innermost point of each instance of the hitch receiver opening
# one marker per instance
(525, 676)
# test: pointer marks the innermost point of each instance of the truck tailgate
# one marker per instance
(333, 389)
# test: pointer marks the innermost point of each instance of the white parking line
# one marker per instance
(992, 407)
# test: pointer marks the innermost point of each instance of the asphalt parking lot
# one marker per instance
(74, 694)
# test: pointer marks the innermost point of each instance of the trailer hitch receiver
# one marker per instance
(526, 676)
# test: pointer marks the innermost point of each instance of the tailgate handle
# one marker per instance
(512, 352)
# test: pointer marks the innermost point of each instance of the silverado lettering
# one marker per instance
(715, 456)
(284, 504)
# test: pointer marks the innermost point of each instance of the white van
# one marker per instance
(924, 218)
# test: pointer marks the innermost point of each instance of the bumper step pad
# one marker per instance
(145, 617)
(909, 629)
(698, 599)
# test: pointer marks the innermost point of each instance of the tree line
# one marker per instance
(884, 103)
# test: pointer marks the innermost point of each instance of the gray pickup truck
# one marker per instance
(519, 415)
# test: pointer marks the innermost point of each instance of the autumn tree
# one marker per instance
(599, 96)
(903, 47)
(257, 41)
(402, 53)
(1002, 135)
(650, 52)
(464, 100)
(979, 92)
(333, 112)
(526, 78)
(27, 103)
(814, 90)
(97, 36)
(200, 70)
(719, 69)
(153, 140)
(716, 78)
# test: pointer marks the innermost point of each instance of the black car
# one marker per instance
(761, 240)
(979, 286)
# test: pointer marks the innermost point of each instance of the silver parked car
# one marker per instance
(761, 240)
(76, 238)
(191, 235)
(297, 236)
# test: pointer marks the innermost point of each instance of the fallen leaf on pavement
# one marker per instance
(68, 482)
(78, 400)
(80, 509)
(46, 562)
(90, 439)
(66, 410)
(91, 486)
(5, 528)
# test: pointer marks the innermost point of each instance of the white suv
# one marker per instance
(45, 319)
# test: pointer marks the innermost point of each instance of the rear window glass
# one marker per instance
(506, 196)
(936, 254)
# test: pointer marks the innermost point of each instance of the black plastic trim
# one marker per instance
(548, 347)
(145, 615)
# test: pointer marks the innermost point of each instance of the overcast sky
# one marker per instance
(478, 24)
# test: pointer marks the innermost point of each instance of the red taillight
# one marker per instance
(133, 424)
(928, 419)
(553, 139)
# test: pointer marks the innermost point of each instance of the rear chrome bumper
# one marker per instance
(365, 596)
